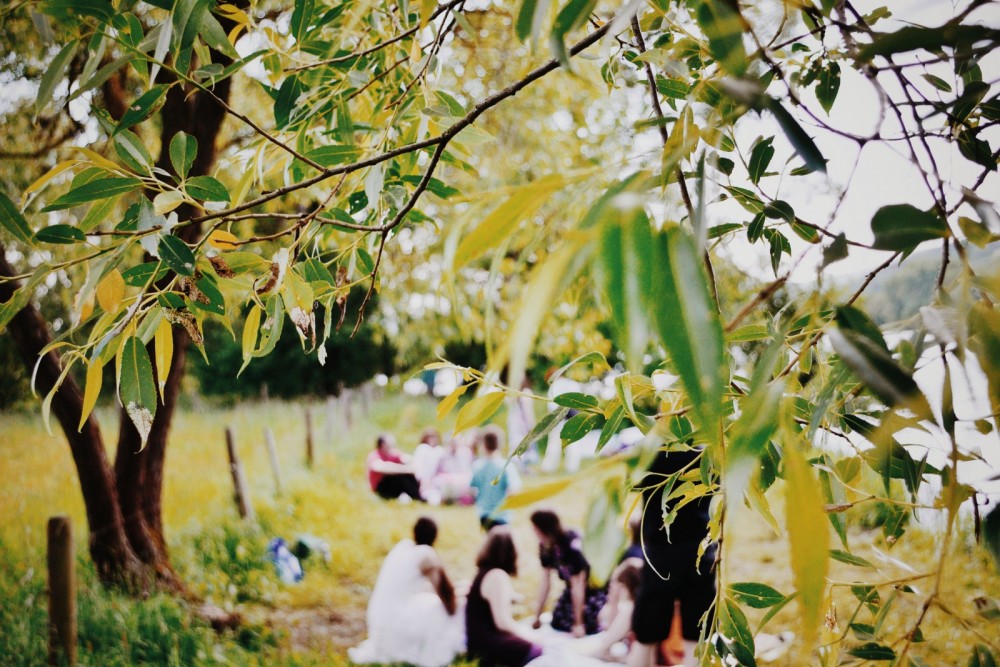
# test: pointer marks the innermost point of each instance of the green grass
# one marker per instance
(221, 558)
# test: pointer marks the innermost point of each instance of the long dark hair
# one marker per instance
(498, 551)
(548, 524)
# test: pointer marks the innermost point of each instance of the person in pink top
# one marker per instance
(390, 472)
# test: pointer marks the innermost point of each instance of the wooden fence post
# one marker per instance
(329, 428)
(243, 503)
(272, 453)
(62, 591)
(310, 455)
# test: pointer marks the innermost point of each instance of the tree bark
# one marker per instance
(113, 556)
(140, 473)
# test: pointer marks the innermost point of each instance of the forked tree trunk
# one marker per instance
(140, 472)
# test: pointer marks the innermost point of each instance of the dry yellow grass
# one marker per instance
(324, 614)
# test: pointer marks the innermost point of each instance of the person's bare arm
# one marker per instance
(390, 468)
(578, 594)
(497, 591)
(543, 596)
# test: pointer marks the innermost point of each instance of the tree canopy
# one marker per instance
(611, 181)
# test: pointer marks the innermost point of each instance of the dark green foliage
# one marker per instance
(288, 371)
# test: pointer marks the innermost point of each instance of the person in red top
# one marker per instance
(390, 473)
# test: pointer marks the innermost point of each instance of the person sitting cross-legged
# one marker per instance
(413, 614)
(390, 472)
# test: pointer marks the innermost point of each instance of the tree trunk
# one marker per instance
(140, 473)
(113, 556)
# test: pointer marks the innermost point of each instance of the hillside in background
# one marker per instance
(897, 293)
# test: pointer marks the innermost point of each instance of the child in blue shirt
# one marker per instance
(491, 483)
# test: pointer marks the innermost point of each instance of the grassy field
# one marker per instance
(222, 559)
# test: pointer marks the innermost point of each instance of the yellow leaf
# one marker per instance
(49, 175)
(165, 202)
(164, 343)
(535, 494)
(222, 240)
(98, 159)
(91, 390)
(250, 328)
(809, 541)
(86, 309)
(111, 291)
(415, 52)
(427, 8)
(478, 410)
(505, 218)
(448, 403)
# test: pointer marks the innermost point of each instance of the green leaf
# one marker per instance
(809, 538)
(206, 188)
(748, 333)
(14, 222)
(53, 75)
(688, 323)
(302, 18)
(779, 210)
(828, 86)
(541, 429)
(142, 108)
(975, 149)
(672, 89)
(573, 15)
(752, 594)
(139, 275)
(801, 142)
(331, 156)
(723, 25)
(984, 341)
(215, 302)
(735, 628)
(243, 262)
(101, 188)
(72, 10)
(982, 656)
(938, 82)
(872, 651)
(186, 21)
(760, 158)
(626, 243)
(133, 152)
(611, 427)
(603, 537)
(136, 387)
(879, 372)
(60, 234)
(849, 558)
(718, 231)
(902, 227)
(836, 251)
(478, 410)
(183, 149)
(579, 426)
(177, 255)
(529, 19)
(576, 401)
(750, 433)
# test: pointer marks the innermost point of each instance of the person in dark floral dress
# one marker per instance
(561, 551)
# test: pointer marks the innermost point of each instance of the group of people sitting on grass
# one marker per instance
(417, 616)
(437, 474)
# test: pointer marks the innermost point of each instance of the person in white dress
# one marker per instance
(412, 613)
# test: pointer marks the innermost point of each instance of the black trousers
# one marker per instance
(393, 486)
